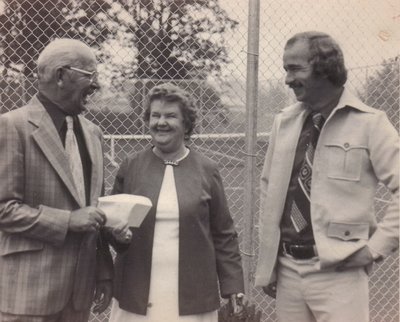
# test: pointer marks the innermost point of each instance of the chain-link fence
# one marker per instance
(201, 45)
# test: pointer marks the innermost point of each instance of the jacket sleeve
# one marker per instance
(261, 277)
(105, 266)
(118, 188)
(384, 156)
(265, 173)
(225, 239)
(44, 223)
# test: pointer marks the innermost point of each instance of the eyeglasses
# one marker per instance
(92, 75)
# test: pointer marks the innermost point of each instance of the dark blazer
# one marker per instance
(208, 244)
(42, 264)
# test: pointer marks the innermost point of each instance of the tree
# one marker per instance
(382, 90)
(161, 39)
(174, 39)
(271, 99)
(27, 26)
(171, 40)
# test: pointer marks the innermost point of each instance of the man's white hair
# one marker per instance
(60, 52)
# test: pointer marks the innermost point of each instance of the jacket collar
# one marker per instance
(347, 100)
(48, 139)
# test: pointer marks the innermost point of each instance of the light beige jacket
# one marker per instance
(357, 148)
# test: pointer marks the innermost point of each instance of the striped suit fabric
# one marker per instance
(40, 267)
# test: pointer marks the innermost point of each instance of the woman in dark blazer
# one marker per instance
(185, 254)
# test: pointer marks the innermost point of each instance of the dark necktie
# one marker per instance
(84, 276)
(300, 212)
(74, 158)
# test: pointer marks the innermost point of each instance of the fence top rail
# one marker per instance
(194, 136)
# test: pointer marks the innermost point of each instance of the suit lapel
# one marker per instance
(289, 132)
(48, 140)
(93, 145)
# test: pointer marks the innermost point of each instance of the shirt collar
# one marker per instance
(327, 110)
(56, 113)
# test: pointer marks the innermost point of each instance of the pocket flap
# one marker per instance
(11, 244)
(346, 146)
(348, 231)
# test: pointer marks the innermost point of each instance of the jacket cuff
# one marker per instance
(381, 245)
(52, 226)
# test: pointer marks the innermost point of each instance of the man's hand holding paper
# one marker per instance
(121, 232)
(124, 211)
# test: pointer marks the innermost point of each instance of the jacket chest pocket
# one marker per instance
(345, 160)
(348, 231)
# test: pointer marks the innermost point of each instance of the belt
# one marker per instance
(297, 251)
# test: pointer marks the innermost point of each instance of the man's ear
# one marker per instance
(60, 74)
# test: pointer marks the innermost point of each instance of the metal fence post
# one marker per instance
(250, 141)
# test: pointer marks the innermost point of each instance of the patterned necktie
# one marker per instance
(74, 158)
(300, 212)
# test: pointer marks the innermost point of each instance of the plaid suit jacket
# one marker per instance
(42, 264)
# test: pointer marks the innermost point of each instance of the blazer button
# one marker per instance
(346, 145)
(347, 233)
(149, 305)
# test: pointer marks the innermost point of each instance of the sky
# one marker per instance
(367, 30)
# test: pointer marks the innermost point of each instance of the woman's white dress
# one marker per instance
(163, 297)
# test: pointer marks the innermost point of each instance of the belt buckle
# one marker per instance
(294, 251)
(284, 248)
(304, 251)
(287, 251)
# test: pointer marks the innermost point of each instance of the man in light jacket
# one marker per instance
(318, 230)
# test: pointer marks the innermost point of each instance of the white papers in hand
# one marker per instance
(125, 208)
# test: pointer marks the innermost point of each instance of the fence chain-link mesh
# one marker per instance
(201, 45)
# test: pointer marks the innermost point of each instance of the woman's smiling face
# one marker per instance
(167, 127)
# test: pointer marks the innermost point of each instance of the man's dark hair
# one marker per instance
(326, 57)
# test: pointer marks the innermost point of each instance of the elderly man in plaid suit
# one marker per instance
(52, 259)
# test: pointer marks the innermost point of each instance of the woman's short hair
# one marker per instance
(169, 92)
(326, 57)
